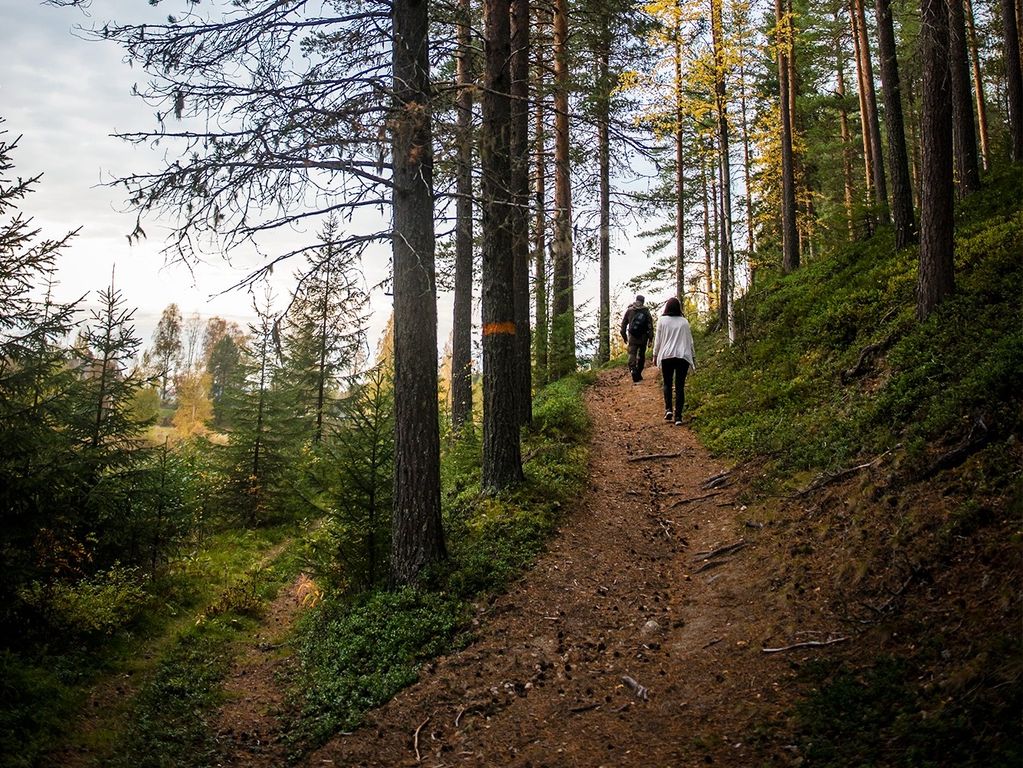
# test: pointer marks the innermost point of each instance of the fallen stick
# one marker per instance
(728, 548)
(640, 691)
(710, 564)
(583, 708)
(717, 480)
(710, 495)
(650, 456)
(415, 739)
(807, 644)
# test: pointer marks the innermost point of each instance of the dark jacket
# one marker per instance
(628, 319)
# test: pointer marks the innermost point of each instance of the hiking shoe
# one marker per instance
(678, 422)
(667, 415)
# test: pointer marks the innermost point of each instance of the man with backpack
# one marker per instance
(638, 333)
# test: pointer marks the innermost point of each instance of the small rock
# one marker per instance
(650, 628)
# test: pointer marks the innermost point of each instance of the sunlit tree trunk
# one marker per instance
(418, 538)
(680, 175)
(708, 261)
(789, 233)
(978, 86)
(866, 80)
(721, 104)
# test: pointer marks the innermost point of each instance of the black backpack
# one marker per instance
(639, 325)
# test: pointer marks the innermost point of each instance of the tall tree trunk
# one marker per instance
(843, 116)
(562, 358)
(321, 372)
(520, 200)
(680, 175)
(604, 162)
(935, 279)
(502, 460)
(870, 194)
(708, 261)
(541, 338)
(866, 71)
(1013, 78)
(978, 86)
(751, 243)
(417, 535)
(898, 160)
(789, 234)
(461, 334)
(965, 138)
(721, 101)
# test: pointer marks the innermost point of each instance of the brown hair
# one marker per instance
(672, 307)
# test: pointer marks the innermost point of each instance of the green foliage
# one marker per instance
(882, 716)
(357, 653)
(834, 362)
(357, 656)
(99, 604)
(35, 708)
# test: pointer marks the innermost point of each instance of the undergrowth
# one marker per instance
(833, 363)
(357, 653)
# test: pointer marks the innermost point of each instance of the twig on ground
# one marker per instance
(415, 739)
(710, 495)
(711, 564)
(717, 480)
(651, 456)
(822, 481)
(715, 641)
(641, 692)
(727, 549)
(807, 644)
(583, 708)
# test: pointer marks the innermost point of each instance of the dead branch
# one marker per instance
(415, 739)
(641, 692)
(960, 453)
(822, 481)
(807, 644)
(583, 708)
(715, 641)
(651, 456)
(711, 564)
(733, 547)
(717, 481)
(710, 495)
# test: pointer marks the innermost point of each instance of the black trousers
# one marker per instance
(673, 372)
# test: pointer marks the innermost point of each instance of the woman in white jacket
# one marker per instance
(674, 355)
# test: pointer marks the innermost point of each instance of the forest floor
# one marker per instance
(652, 581)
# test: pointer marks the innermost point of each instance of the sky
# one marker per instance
(65, 96)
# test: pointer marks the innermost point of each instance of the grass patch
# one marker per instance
(45, 687)
(358, 653)
(833, 363)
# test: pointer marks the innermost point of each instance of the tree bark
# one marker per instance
(935, 279)
(502, 459)
(461, 334)
(866, 70)
(520, 204)
(898, 160)
(965, 138)
(868, 159)
(417, 534)
(978, 87)
(708, 261)
(843, 117)
(1013, 78)
(721, 101)
(680, 175)
(562, 356)
(789, 234)
(541, 337)
(604, 162)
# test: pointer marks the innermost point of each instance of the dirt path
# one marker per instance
(248, 724)
(621, 592)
